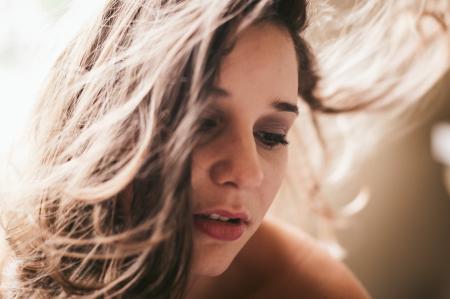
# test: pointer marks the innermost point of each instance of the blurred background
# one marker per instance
(398, 246)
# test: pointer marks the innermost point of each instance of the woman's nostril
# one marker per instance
(240, 173)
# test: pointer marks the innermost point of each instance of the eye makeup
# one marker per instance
(269, 131)
(271, 140)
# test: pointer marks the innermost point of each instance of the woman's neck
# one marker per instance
(199, 286)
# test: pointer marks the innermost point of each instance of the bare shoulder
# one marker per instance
(292, 265)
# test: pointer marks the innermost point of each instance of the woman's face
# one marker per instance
(238, 170)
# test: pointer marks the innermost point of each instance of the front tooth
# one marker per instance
(223, 218)
(214, 216)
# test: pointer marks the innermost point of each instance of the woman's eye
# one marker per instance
(207, 124)
(271, 140)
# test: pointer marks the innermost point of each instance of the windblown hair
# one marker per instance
(108, 176)
(377, 61)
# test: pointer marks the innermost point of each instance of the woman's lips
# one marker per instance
(243, 216)
(220, 230)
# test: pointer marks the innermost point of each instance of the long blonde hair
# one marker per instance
(108, 176)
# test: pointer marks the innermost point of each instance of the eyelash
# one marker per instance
(272, 139)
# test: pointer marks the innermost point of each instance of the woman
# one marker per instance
(159, 144)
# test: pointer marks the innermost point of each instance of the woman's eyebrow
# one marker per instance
(285, 107)
(278, 105)
(219, 92)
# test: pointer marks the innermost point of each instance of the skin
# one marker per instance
(234, 169)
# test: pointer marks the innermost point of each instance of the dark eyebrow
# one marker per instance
(277, 105)
(219, 92)
(285, 107)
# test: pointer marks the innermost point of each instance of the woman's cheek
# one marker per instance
(274, 174)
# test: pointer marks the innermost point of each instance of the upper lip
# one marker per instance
(226, 213)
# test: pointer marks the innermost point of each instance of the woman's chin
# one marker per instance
(212, 263)
(212, 258)
(211, 269)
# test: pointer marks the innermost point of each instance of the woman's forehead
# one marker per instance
(262, 63)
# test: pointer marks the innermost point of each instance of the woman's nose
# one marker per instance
(238, 163)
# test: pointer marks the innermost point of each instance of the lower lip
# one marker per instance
(219, 230)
